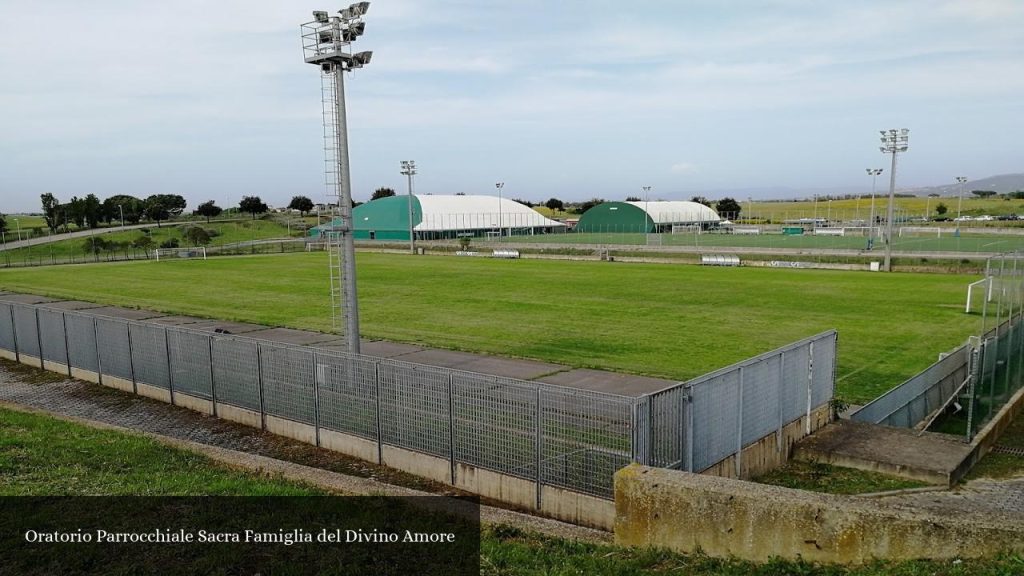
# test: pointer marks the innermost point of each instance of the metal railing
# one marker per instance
(552, 435)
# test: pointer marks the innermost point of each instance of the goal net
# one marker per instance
(920, 231)
(180, 253)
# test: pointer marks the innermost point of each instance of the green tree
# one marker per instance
(197, 235)
(583, 207)
(94, 245)
(301, 203)
(131, 207)
(208, 210)
(51, 211)
(3, 224)
(554, 204)
(701, 200)
(156, 211)
(173, 203)
(143, 242)
(633, 199)
(381, 193)
(74, 211)
(729, 207)
(253, 205)
(941, 209)
(93, 210)
(983, 193)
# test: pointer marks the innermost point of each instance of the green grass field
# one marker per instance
(923, 242)
(42, 456)
(662, 320)
(78, 248)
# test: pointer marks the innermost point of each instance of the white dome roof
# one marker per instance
(664, 212)
(452, 212)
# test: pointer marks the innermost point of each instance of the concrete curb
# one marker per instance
(333, 481)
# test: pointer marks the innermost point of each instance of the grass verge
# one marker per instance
(43, 456)
(821, 477)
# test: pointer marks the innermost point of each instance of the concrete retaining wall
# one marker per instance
(723, 517)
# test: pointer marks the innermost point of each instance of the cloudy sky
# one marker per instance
(571, 99)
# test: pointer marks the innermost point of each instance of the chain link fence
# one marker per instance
(555, 436)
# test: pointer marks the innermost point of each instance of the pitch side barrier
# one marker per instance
(539, 446)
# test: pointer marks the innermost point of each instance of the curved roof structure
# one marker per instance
(671, 212)
(388, 218)
(450, 212)
(643, 217)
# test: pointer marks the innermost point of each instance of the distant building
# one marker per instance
(645, 217)
(444, 216)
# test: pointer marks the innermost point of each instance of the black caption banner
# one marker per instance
(269, 536)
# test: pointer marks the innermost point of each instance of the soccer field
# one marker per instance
(664, 320)
(920, 242)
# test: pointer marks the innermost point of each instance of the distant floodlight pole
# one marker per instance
(873, 172)
(327, 43)
(499, 186)
(409, 170)
(18, 224)
(961, 180)
(893, 142)
(647, 203)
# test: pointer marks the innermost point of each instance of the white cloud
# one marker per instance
(683, 168)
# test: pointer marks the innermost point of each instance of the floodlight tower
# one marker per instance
(327, 43)
(409, 170)
(961, 180)
(873, 172)
(499, 186)
(647, 202)
(893, 142)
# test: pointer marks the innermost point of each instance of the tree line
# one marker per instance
(90, 212)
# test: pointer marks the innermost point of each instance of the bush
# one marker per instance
(170, 243)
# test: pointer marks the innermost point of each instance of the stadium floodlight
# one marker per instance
(893, 142)
(499, 186)
(326, 43)
(362, 58)
(961, 180)
(873, 172)
(409, 170)
(647, 203)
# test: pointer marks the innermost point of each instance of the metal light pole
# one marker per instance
(18, 223)
(121, 206)
(873, 172)
(961, 180)
(409, 170)
(893, 142)
(647, 205)
(327, 43)
(499, 186)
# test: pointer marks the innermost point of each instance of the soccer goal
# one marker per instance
(175, 253)
(920, 231)
(977, 293)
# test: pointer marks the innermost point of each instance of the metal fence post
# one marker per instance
(96, 343)
(380, 429)
(316, 401)
(782, 388)
(39, 340)
(131, 358)
(689, 427)
(739, 427)
(14, 333)
(170, 369)
(451, 426)
(539, 441)
(259, 385)
(810, 383)
(213, 376)
(67, 349)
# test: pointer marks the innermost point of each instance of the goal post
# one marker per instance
(977, 293)
(199, 252)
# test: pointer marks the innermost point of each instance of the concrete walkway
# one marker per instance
(556, 374)
(928, 457)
